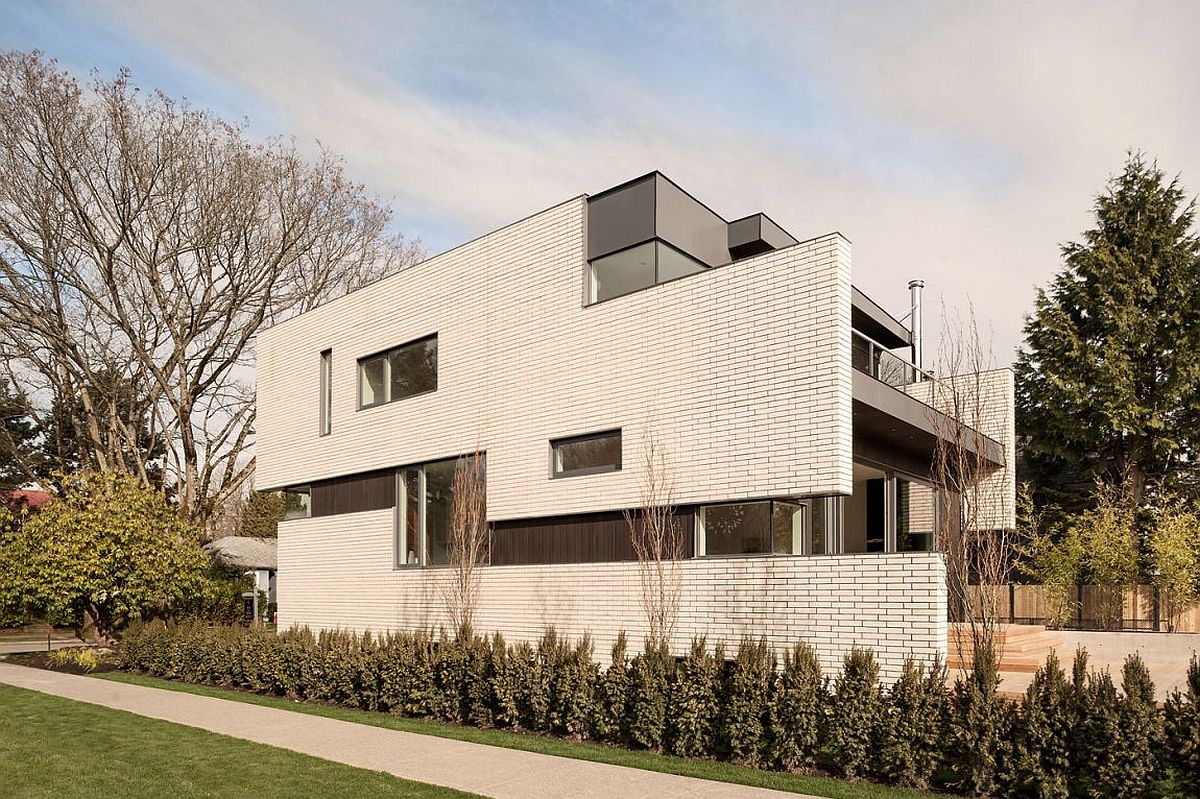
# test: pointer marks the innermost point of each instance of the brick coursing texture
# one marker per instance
(334, 572)
(992, 414)
(743, 372)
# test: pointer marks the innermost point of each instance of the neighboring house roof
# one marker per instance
(31, 498)
(243, 552)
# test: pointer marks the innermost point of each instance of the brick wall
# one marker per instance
(742, 371)
(335, 572)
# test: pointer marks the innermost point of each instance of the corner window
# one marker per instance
(401, 372)
(297, 503)
(754, 528)
(326, 391)
(591, 454)
(637, 268)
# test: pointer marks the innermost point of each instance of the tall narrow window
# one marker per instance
(408, 517)
(439, 505)
(326, 391)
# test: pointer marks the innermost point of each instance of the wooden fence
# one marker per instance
(1094, 608)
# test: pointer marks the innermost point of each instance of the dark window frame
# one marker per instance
(385, 355)
(556, 474)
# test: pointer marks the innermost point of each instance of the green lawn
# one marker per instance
(54, 747)
(599, 753)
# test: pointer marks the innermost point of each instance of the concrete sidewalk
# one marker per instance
(487, 770)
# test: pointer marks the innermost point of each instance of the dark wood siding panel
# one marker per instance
(354, 493)
(589, 538)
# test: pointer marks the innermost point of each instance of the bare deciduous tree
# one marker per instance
(657, 542)
(470, 538)
(143, 245)
(978, 548)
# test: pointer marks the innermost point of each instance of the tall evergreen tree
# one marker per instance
(1107, 379)
(18, 438)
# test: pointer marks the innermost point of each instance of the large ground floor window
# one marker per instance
(424, 512)
(775, 527)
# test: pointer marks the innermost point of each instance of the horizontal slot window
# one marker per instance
(401, 372)
(591, 454)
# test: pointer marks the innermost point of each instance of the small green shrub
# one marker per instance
(1182, 732)
(695, 703)
(572, 679)
(747, 702)
(981, 727)
(1044, 734)
(646, 707)
(1136, 750)
(795, 717)
(855, 713)
(911, 729)
(609, 721)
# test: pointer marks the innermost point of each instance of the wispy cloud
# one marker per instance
(956, 143)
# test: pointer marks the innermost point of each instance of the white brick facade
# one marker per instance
(334, 572)
(744, 372)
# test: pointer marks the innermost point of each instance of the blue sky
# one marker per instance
(956, 142)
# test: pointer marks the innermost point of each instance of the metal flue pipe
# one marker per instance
(915, 287)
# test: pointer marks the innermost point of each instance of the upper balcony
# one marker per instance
(902, 409)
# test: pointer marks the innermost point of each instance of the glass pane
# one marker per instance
(326, 390)
(737, 529)
(586, 454)
(916, 516)
(413, 368)
(297, 503)
(409, 534)
(623, 272)
(672, 264)
(439, 501)
(819, 526)
(371, 376)
(787, 528)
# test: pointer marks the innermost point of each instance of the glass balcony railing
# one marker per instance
(868, 355)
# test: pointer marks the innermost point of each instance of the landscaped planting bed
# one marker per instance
(1074, 735)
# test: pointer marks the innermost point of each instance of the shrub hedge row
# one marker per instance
(1069, 736)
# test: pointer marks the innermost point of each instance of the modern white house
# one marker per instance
(786, 403)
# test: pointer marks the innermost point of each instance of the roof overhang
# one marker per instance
(868, 318)
(890, 417)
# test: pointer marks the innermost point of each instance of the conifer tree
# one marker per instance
(1106, 379)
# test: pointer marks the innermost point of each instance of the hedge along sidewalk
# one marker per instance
(477, 768)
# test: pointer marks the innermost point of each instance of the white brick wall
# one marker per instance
(744, 371)
(987, 399)
(334, 572)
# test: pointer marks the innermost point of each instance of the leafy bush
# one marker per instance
(796, 712)
(910, 730)
(855, 713)
(1182, 732)
(695, 707)
(747, 703)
